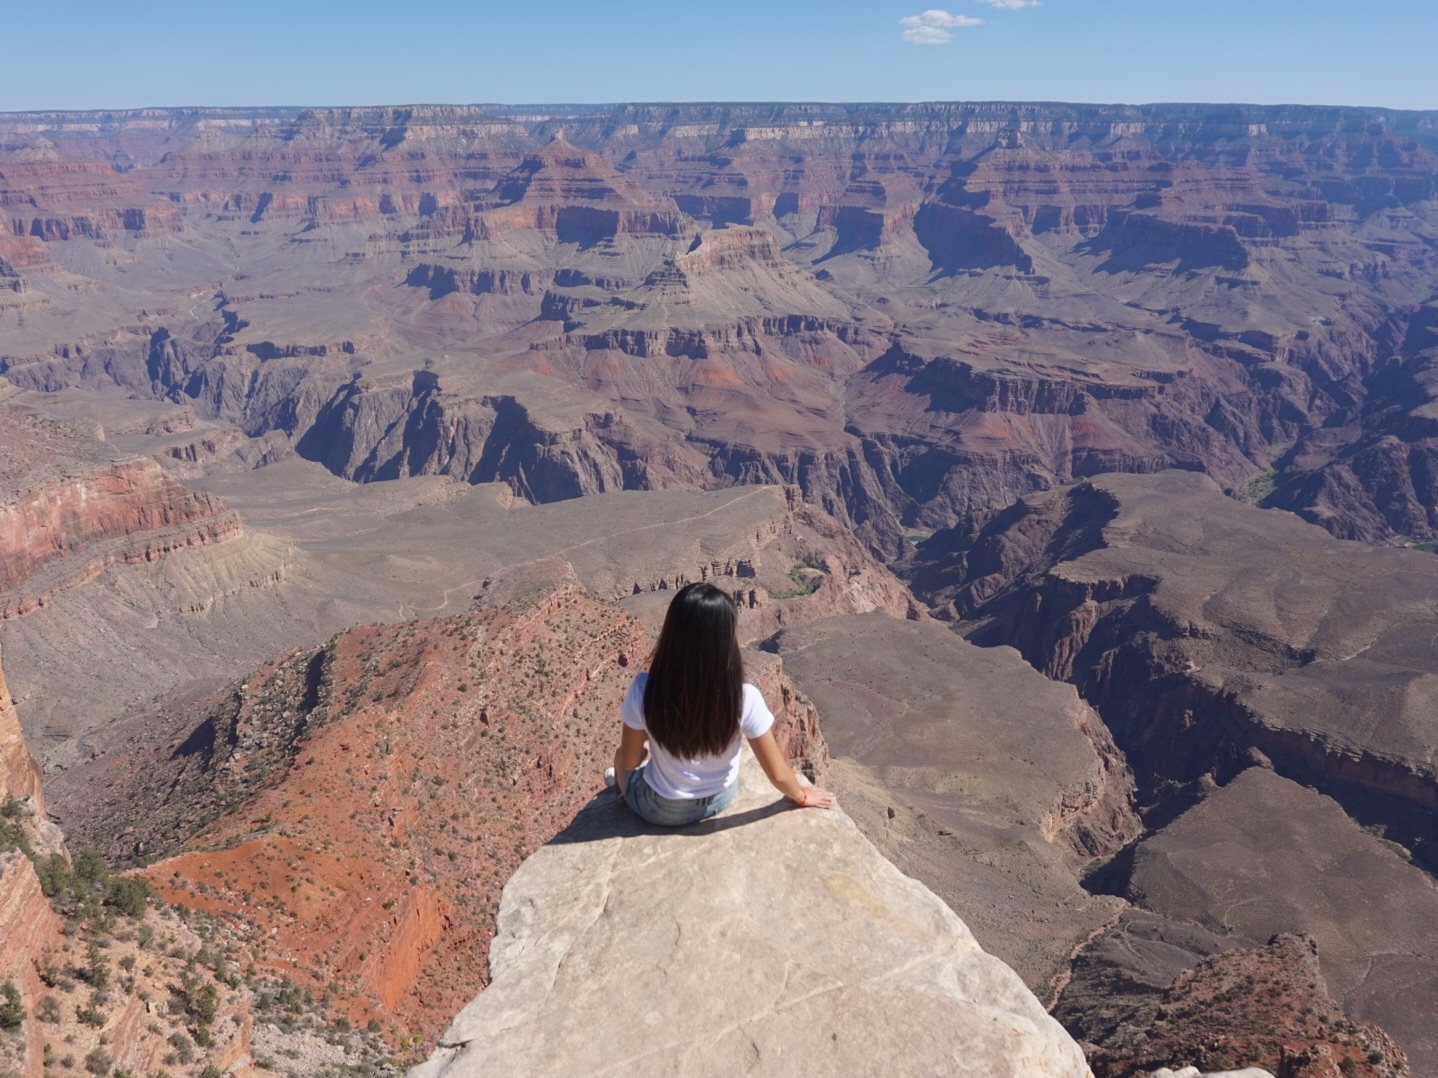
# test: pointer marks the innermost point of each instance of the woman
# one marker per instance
(692, 707)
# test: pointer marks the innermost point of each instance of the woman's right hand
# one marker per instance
(815, 797)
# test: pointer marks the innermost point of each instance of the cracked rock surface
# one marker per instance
(768, 940)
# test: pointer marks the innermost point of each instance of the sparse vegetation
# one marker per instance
(804, 582)
(98, 1062)
(12, 1010)
(1255, 490)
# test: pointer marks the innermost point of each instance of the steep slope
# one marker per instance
(1266, 1007)
(991, 785)
(86, 957)
(356, 809)
(70, 505)
(1238, 655)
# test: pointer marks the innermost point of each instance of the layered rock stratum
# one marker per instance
(1268, 683)
(19, 771)
(429, 354)
(88, 989)
(913, 312)
(767, 941)
(71, 505)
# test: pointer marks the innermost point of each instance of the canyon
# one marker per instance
(913, 312)
(1072, 468)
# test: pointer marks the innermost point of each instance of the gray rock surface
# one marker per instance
(973, 773)
(1263, 855)
(769, 941)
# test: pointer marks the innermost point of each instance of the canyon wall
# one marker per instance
(914, 313)
(19, 773)
(87, 967)
(974, 337)
(1246, 662)
(71, 505)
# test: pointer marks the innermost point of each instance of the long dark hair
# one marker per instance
(696, 677)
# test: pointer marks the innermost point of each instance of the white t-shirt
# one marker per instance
(668, 775)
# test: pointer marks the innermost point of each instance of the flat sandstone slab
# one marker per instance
(769, 941)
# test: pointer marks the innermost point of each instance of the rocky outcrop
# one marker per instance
(407, 769)
(1264, 856)
(19, 773)
(70, 507)
(788, 944)
(1159, 993)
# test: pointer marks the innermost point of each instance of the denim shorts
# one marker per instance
(671, 811)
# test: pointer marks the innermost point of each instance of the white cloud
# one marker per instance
(1010, 5)
(935, 27)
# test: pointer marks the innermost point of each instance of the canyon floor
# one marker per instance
(1073, 468)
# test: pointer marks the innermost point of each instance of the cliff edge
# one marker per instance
(766, 941)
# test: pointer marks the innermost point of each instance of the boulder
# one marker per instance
(768, 940)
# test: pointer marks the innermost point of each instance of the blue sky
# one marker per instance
(66, 54)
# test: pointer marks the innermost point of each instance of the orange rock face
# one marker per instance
(134, 1026)
(429, 760)
(27, 925)
(442, 753)
(19, 773)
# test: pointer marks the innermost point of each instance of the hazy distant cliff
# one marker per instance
(928, 310)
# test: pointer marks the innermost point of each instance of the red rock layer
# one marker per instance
(426, 761)
(27, 925)
(63, 528)
(56, 199)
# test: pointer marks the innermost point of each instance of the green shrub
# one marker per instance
(12, 1011)
(97, 967)
(128, 894)
(91, 1014)
(54, 875)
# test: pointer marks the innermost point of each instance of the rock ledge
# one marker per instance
(768, 941)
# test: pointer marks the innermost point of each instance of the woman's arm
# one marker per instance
(766, 751)
(629, 755)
